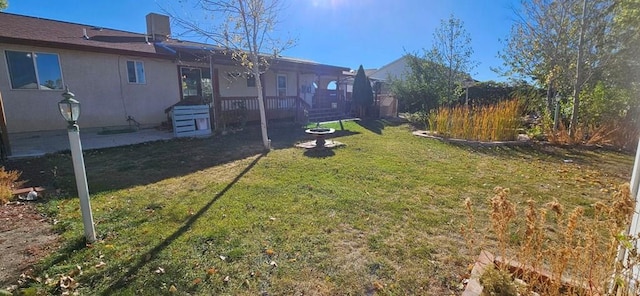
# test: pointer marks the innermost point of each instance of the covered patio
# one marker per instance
(292, 88)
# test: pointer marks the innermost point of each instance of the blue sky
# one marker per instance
(336, 32)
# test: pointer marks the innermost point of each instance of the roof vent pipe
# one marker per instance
(84, 34)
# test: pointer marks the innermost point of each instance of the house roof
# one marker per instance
(34, 31)
(27, 30)
(200, 51)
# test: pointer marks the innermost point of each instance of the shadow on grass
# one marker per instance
(374, 126)
(151, 254)
(116, 168)
(566, 155)
(319, 152)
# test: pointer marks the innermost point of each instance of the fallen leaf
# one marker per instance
(226, 279)
(74, 272)
(272, 218)
(160, 270)
(173, 289)
(100, 265)
(270, 252)
(211, 271)
(197, 281)
(67, 283)
(378, 286)
(273, 263)
(223, 257)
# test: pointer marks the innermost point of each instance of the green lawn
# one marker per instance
(216, 216)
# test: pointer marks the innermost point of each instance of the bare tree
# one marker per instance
(243, 28)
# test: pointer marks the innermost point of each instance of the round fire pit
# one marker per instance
(319, 133)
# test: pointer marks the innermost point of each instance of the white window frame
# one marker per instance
(135, 67)
(278, 88)
(35, 68)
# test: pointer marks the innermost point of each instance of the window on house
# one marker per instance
(135, 72)
(34, 70)
(282, 85)
(251, 80)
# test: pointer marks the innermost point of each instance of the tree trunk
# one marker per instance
(577, 86)
(550, 96)
(263, 118)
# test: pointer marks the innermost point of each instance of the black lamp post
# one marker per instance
(70, 111)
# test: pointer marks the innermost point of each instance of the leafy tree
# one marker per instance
(3, 4)
(419, 89)
(362, 93)
(595, 49)
(549, 44)
(624, 71)
(452, 49)
(538, 46)
(245, 32)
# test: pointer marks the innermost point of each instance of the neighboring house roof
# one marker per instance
(33, 31)
(368, 72)
(396, 69)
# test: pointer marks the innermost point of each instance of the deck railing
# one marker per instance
(325, 98)
(239, 110)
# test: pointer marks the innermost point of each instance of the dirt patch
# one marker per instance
(25, 237)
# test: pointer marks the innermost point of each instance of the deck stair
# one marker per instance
(326, 114)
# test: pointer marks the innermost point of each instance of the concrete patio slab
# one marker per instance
(40, 143)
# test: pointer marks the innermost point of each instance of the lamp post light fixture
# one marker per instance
(70, 111)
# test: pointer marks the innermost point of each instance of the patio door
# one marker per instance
(196, 84)
(191, 85)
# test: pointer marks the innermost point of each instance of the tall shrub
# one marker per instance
(362, 92)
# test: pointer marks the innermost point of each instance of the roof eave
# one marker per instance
(60, 45)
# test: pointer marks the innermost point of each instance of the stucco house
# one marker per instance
(123, 77)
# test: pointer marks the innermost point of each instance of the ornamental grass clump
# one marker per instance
(555, 251)
(8, 181)
(499, 122)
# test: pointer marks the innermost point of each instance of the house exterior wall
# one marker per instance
(100, 82)
(237, 87)
(234, 86)
(270, 80)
